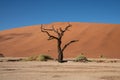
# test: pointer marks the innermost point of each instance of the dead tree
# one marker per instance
(60, 33)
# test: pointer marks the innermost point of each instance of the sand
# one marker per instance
(52, 70)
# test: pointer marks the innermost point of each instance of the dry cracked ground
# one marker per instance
(52, 70)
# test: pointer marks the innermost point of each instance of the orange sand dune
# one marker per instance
(94, 40)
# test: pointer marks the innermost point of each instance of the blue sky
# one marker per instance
(17, 13)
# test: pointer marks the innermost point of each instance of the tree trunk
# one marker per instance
(60, 57)
(60, 53)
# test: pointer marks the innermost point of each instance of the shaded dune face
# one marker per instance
(94, 40)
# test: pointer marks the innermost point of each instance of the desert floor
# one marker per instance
(52, 70)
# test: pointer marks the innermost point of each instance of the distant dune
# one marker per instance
(94, 40)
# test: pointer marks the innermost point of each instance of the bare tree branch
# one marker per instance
(66, 45)
(66, 28)
(46, 31)
(56, 31)
(62, 31)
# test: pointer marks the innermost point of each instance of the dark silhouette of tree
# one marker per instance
(60, 33)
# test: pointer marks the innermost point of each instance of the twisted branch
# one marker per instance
(46, 31)
(66, 45)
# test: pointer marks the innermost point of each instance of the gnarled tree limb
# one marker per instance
(66, 45)
(62, 31)
(46, 31)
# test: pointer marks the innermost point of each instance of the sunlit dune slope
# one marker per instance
(94, 40)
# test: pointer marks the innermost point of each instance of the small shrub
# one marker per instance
(43, 58)
(81, 58)
(39, 58)
(31, 58)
